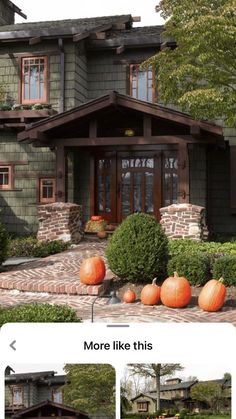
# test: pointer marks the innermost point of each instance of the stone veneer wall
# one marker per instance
(60, 221)
(184, 221)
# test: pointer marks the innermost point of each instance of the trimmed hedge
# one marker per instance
(3, 243)
(138, 249)
(177, 247)
(39, 313)
(31, 247)
(194, 266)
(225, 267)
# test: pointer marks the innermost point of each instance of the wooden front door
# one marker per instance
(129, 182)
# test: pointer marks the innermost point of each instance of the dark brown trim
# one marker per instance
(232, 149)
(15, 162)
(60, 174)
(183, 173)
(9, 185)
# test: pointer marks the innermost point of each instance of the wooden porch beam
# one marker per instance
(35, 40)
(183, 173)
(147, 126)
(60, 174)
(232, 178)
(93, 128)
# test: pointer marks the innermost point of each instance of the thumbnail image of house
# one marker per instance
(176, 393)
(81, 122)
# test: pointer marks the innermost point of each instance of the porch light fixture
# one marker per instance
(129, 132)
(112, 299)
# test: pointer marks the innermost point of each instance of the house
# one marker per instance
(176, 393)
(81, 122)
(26, 390)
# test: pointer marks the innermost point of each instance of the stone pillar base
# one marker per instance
(60, 221)
(184, 221)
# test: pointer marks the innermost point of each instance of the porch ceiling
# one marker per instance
(76, 122)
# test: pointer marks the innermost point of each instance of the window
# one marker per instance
(34, 80)
(17, 396)
(5, 177)
(57, 396)
(142, 406)
(141, 83)
(46, 190)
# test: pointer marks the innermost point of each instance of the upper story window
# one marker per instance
(141, 83)
(5, 177)
(57, 396)
(34, 80)
(17, 396)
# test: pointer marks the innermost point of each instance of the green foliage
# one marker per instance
(40, 313)
(30, 246)
(225, 267)
(91, 388)
(138, 249)
(195, 266)
(3, 243)
(210, 393)
(219, 249)
(200, 73)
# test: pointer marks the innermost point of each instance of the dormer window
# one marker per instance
(57, 396)
(141, 83)
(34, 80)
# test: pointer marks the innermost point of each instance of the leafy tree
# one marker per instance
(125, 404)
(91, 388)
(227, 376)
(156, 371)
(200, 73)
(210, 393)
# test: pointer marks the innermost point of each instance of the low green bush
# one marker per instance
(177, 247)
(31, 247)
(138, 249)
(3, 243)
(194, 266)
(40, 313)
(225, 267)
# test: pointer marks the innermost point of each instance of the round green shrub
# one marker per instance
(225, 266)
(138, 249)
(194, 266)
(40, 313)
(3, 243)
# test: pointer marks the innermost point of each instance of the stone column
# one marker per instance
(60, 221)
(184, 221)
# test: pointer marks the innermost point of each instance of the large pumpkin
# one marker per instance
(129, 296)
(92, 271)
(176, 291)
(212, 295)
(150, 294)
(96, 218)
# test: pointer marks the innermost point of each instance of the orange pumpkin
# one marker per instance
(212, 295)
(92, 271)
(150, 294)
(129, 296)
(96, 218)
(176, 291)
(102, 234)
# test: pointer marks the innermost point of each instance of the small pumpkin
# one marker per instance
(150, 294)
(96, 218)
(92, 271)
(212, 295)
(110, 227)
(102, 234)
(129, 296)
(176, 291)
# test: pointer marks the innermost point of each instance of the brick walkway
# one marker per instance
(62, 267)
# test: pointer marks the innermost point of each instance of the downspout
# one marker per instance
(62, 75)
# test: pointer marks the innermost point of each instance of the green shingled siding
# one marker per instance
(18, 206)
(106, 74)
(197, 175)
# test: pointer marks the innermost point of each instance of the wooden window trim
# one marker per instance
(21, 388)
(57, 390)
(46, 79)
(40, 188)
(10, 183)
(142, 406)
(136, 66)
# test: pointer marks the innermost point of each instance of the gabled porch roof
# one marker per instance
(52, 127)
(34, 411)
